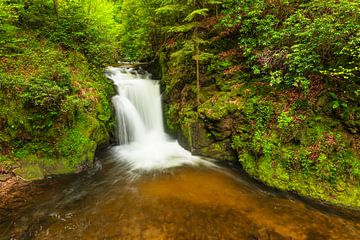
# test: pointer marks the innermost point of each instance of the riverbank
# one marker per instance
(54, 110)
(55, 105)
(13, 193)
(283, 144)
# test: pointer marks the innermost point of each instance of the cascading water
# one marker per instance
(143, 144)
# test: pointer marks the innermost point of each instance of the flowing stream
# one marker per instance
(149, 187)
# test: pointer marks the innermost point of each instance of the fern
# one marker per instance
(198, 12)
(183, 28)
(168, 9)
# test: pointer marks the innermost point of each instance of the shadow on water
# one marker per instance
(325, 207)
(111, 202)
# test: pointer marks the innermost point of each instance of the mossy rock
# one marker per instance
(30, 171)
(218, 150)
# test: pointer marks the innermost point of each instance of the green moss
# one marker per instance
(294, 150)
(54, 110)
(221, 105)
(218, 150)
(320, 164)
(30, 171)
(276, 176)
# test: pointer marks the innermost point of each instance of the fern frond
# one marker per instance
(198, 12)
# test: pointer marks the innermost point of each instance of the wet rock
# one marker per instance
(5, 177)
(200, 141)
(219, 150)
(187, 95)
(263, 234)
(268, 234)
(200, 135)
(221, 129)
(12, 194)
(194, 136)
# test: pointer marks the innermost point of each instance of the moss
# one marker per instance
(218, 150)
(293, 150)
(221, 105)
(319, 165)
(54, 110)
(30, 171)
(308, 186)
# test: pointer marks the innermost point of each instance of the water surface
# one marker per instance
(178, 203)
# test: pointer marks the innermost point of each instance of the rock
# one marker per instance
(221, 129)
(218, 150)
(30, 172)
(5, 177)
(263, 234)
(200, 135)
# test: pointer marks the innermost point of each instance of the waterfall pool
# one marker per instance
(186, 202)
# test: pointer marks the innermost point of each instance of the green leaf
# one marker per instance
(168, 9)
(336, 104)
(183, 28)
(333, 95)
(198, 12)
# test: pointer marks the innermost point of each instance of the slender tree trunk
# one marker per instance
(56, 8)
(197, 60)
(217, 10)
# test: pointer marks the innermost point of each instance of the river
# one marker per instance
(178, 203)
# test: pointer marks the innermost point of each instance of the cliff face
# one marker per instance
(287, 139)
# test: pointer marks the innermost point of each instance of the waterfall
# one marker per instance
(143, 144)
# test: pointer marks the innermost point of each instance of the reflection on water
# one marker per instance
(181, 203)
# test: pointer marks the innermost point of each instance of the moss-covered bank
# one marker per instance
(289, 140)
(285, 144)
(54, 109)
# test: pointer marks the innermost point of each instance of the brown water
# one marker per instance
(182, 203)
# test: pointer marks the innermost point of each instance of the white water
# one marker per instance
(143, 144)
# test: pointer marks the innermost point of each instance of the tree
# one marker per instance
(191, 25)
(56, 8)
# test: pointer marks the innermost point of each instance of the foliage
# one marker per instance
(137, 29)
(290, 39)
(8, 29)
(54, 106)
(82, 25)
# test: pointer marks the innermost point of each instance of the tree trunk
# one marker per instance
(197, 67)
(56, 8)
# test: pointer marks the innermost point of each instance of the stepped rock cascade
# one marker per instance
(143, 144)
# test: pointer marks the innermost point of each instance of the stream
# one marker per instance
(149, 187)
(178, 203)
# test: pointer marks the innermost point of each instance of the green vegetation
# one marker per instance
(274, 84)
(54, 107)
